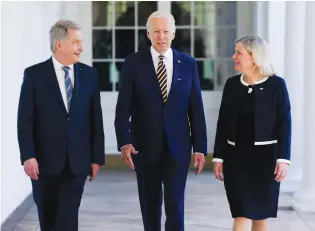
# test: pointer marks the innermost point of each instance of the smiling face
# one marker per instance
(243, 60)
(161, 34)
(69, 49)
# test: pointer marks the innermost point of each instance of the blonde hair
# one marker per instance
(259, 50)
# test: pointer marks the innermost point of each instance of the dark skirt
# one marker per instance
(249, 181)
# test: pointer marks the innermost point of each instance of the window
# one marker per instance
(207, 31)
(204, 29)
(118, 30)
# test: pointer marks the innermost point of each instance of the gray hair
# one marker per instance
(59, 31)
(161, 14)
(259, 50)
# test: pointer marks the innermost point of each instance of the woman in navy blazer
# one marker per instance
(253, 136)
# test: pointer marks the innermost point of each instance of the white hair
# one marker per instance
(161, 14)
(59, 31)
(259, 50)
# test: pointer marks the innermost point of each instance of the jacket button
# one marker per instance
(68, 119)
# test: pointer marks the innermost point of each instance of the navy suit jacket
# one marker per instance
(181, 119)
(47, 132)
(272, 116)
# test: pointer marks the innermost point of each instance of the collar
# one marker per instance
(256, 82)
(58, 66)
(168, 54)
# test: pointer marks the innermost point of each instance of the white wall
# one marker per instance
(25, 41)
(1, 113)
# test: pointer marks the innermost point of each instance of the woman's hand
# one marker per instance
(281, 171)
(218, 170)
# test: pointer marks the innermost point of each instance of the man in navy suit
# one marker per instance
(159, 119)
(60, 127)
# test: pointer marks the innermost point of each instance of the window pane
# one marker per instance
(143, 41)
(205, 13)
(145, 8)
(102, 13)
(225, 42)
(102, 44)
(119, 66)
(204, 43)
(226, 13)
(182, 40)
(125, 13)
(107, 75)
(206, 74)
(225, 69)
(125, 43)
(181, 12)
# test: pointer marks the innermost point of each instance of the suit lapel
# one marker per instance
(53, 82)
(77, 82)
(150, 70)
(176, 69)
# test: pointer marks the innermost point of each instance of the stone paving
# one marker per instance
(110, 203)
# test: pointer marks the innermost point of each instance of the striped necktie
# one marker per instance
(161, 75)
(68, 84)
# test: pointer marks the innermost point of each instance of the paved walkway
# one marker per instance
(110, 203)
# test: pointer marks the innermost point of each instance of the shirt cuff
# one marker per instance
(199, 153)
(284, 161)
(218, 160)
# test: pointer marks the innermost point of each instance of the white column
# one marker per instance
(81, 12)
(276, 34)
(260, 16)
(294, 77)
(1, 105)
(305, 198)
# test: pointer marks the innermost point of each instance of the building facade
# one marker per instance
(206, 30)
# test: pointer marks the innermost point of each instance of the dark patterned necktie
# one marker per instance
(68, 85)
(161, 75)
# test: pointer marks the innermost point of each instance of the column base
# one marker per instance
(304, 201)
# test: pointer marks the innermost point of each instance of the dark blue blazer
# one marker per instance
(272, 115)
(181, 119)
(47, 132)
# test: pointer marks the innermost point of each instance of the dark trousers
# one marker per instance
(61, 198)
(37, 199)
(150, 178)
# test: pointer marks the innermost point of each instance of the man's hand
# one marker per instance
(31, 168)
(281, 171)
(199, 162)
(126, 152)
(218, 170)
(95, 168)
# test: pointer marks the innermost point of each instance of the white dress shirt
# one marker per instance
(168, 62)
(61, 79)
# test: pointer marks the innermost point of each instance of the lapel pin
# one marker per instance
(178, 61)
(261, 89)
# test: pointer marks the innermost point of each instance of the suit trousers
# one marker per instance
(61, 198)
(150, 178)
(37, 200)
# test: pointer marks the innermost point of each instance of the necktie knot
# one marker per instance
(66, 69)
(161, 57)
